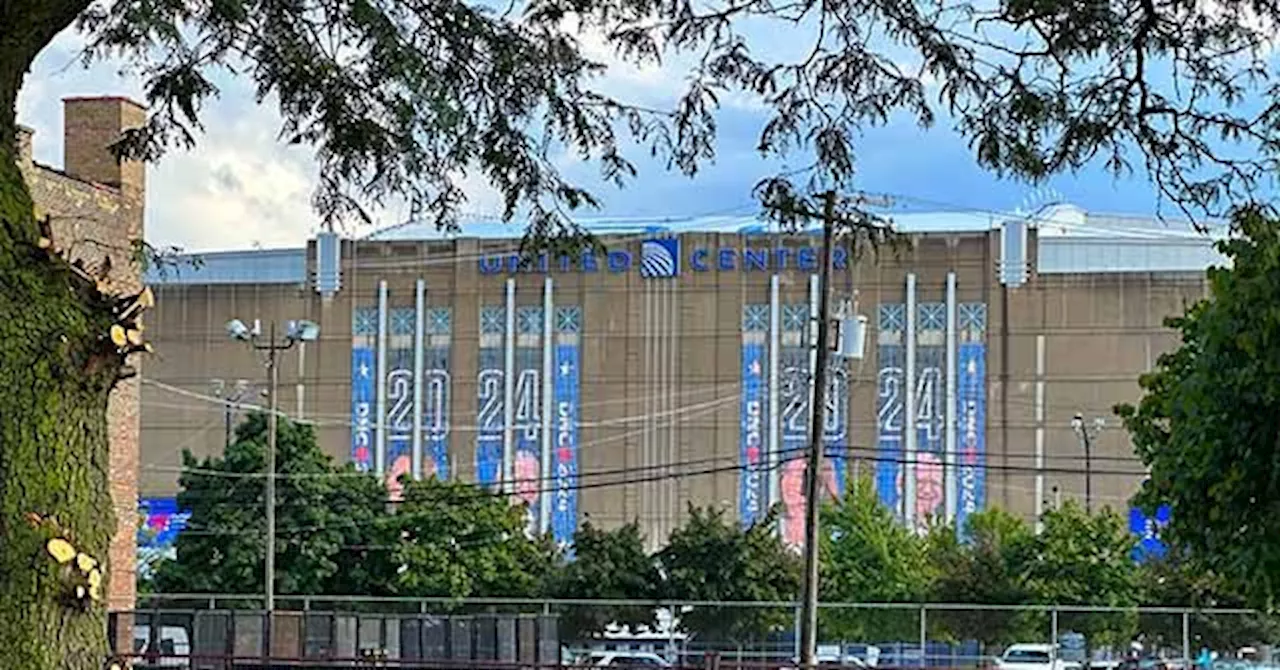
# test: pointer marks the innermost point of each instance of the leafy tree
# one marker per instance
(458, 540)
(402, 98)
(991, 568)
(1086, 559)
(337, 534)
(868, 557)
(714, 558)
(327, 519)
(1206, 424)
(1175, 581)
(607, 565)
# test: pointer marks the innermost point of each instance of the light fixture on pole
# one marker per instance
(1086, 441)
(296, 331)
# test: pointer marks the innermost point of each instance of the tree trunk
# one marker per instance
(57, 367)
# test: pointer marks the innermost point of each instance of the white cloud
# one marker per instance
(241, 186)
(648, 83)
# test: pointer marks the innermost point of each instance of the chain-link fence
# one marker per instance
(232, 631)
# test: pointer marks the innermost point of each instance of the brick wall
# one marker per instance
(97, 207)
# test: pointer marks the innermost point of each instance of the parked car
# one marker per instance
(1033, 657)
(832, 661)
(626, 659)
(1143, 663)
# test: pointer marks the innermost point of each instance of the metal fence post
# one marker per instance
(673, 655)
(924, 637)
(1186, 637)
(797, 629)
(1053, 631)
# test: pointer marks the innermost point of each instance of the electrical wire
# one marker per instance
(635, 418)
(1041, 470)
(695, 408)
(481, 493)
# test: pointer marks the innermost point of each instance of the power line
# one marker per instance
(479, 493)
(635, 418)
(526, 480)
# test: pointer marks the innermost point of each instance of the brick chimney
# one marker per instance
(25, 140)
(90, 126)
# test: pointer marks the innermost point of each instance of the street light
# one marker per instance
(297, 331)
(1086, 441)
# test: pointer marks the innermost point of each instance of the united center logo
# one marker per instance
(660, 258)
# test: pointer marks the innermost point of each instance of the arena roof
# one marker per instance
(1070, 241)
(1053, 220)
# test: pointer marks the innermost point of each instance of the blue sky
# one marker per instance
(241, 188)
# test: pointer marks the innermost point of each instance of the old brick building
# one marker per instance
(671, 369)
(96, 203)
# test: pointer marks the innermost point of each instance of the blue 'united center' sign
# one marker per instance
(662, 258)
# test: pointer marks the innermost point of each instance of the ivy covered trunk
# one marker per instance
(56, 374)
(57, 366)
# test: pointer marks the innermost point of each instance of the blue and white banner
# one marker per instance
(527, 417)
(971, 412)
(363, 370)
(753, 481)
(158, 535)
(490, 404)
(399, 461)
(889, 405)
(1148, 529)
(836, 431)
(931, 357)
(564, 513)
(794, 419)
(435, 394)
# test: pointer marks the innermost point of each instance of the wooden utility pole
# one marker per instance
(817, 422)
